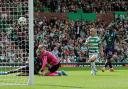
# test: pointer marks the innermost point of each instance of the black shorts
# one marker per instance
(54, 68)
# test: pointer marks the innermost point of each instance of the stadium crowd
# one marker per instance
(87, 6)
(65, 38)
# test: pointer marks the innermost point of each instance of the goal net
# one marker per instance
(16, 47)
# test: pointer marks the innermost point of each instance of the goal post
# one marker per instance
(31, 43)
(16, 42)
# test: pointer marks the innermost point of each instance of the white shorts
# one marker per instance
(94, 55)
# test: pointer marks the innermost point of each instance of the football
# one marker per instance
(22, 21)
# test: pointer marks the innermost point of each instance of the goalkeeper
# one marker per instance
(49, 60)
(43, 59)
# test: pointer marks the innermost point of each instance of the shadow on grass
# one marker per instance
(86, 68)
(61, 86)
(105, 75)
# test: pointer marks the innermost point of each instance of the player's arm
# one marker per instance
(44, 63)
(101, 43)
(101, 48)
(87, 41)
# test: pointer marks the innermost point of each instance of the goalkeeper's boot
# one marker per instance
(64, 73)
(59, 74)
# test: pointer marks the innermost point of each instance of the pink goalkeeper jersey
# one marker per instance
(48, 58)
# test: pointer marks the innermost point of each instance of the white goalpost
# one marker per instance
(16, 42)
(31, 43)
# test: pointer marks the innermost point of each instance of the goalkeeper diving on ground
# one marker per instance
(44, 59)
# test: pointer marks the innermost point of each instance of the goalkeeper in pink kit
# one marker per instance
(44, 59)
(49, 60)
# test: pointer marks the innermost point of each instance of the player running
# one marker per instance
(110, 37)
(94, 48)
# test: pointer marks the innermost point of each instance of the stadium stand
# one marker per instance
(86, 6)
(68, 31)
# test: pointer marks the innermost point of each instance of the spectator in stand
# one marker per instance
(55, 51)
(87, 6)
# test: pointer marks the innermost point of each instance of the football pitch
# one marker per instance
(80, 78)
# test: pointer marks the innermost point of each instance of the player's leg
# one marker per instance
(113, 57)
(53, 71)
(37, 66)
(92, 60)
(93, 68)
(107, 63)
(108, 56)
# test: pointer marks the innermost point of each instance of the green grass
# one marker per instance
(80, 78)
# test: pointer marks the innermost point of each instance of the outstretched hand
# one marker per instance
(43, 73)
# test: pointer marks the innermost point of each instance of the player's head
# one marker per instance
(93, 31)
(39, 49)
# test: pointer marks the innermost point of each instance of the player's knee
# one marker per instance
(115, 56)
(92, 59)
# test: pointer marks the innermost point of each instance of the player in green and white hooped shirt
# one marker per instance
(94, 48)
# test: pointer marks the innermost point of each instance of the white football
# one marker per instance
(22, 21)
